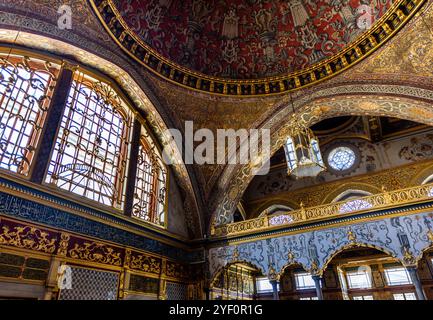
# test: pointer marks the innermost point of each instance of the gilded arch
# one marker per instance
(355, 186)
(276, 201)
(351, 246)
(422, 176)
(406, 103)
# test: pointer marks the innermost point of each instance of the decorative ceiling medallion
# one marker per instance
(393, 20)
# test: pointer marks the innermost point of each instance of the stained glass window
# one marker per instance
(26, 86)
(91, 152)
(341, 158)
(150, 187)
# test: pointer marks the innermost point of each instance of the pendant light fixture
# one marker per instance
(303, 155)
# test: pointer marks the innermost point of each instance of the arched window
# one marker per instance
(428, 180)
(91, 152)
(355, 205)
(354, 201)
(26, 87)
(279, 210)
(150, 188)
(274, 209)
(351, 195)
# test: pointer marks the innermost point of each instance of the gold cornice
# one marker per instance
(384, 29)
(387, 200)
(252, 236)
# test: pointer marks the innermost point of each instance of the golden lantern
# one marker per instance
(302, 151)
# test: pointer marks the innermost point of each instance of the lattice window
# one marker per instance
(91, 152)
(150, 186)
(342, 158)
(26, 87)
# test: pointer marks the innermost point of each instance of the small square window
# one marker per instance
(263, 285)
(397, 276)
(369, 297)
(359, 279)
(404, 296)
(304, 281)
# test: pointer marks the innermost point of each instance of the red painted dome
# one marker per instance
(249, 39)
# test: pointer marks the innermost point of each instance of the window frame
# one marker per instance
(86, 76)
(49, 67)
(357, 273)
(263, 279)
(155, 157)
(386, 271)
(404, 295)
(59, 65)
(303, 275)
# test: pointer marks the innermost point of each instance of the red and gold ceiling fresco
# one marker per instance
(249, 39)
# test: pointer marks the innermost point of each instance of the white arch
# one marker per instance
(275, 208)
(428, 180)
(351, 194)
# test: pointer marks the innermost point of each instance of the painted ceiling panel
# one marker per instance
(251, 39)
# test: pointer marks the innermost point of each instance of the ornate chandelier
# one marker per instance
(302, 151)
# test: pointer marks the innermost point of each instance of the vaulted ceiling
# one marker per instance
(250, 39)
(396, 79)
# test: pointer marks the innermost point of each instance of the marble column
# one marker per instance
(317, 283)
(416, 282)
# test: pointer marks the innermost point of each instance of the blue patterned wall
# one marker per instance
(16, 207)
(318, 247)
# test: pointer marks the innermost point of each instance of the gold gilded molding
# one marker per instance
(28, 237)
(63, 245)
(145, 263)
(384, 29)
(408, 258)
(430, 236)
(385, 200)
(96, 252)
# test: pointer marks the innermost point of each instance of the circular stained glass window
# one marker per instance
(341, 158)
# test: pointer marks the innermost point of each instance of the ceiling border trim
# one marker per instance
(383, 30)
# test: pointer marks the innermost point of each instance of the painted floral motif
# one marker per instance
(419, 149)
(249, 39)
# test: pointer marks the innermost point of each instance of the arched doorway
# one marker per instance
(365, 273)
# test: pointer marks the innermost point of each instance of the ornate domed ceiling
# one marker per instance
(251, 47)
(249, 39)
